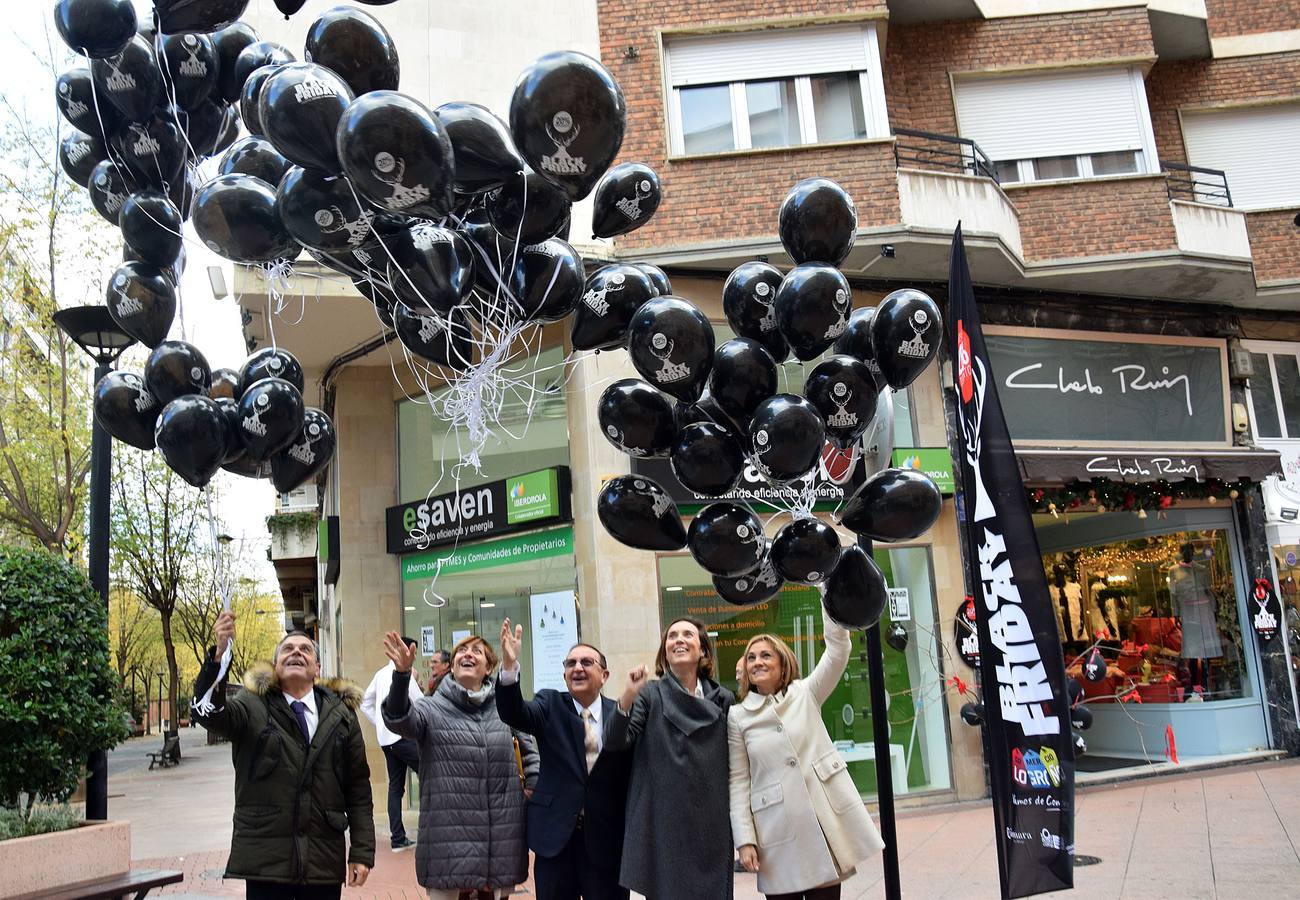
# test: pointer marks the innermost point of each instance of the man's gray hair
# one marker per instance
(315, 647)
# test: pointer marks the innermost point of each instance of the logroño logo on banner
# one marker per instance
(1031, 760)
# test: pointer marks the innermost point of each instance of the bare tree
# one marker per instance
(132, 631)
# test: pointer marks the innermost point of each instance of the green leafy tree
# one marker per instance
(56, 681)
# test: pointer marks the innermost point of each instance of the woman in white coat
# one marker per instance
(796, 816)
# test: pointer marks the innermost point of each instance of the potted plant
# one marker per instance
(57, 704)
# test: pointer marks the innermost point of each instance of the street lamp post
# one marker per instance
(93, 330)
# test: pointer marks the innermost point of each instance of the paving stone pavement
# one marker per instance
(1229, 834)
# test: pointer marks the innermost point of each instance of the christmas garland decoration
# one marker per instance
(1101, 495)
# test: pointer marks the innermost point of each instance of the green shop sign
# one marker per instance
(480, 511)
(489, 554)
(933, 461)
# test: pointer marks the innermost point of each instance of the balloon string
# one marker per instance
(220, 575)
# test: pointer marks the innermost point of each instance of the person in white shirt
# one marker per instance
(399, 753)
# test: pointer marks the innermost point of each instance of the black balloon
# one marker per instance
(707, 458)
(205, 126)
(812, 308)
(896, 637)
(255, 156)
(445, 339)
(191, 435)
(131, 80)
(609, 298)
(528, 208)
(356, 47)
(250, 95)
(639, 513)
(567, 117)
(79, 154)
(763, 583)
(845, 392)
(289, 7)
(175, 369)
(142, 301)
(747, 298)
(1073, 690)
(1094, 666)
(743, 376)
(154, 151)
(636, 418)
(84, 109)
(856, 341)
(1081, 717)
(626, 198)
(397, 154)
(817, 222)
(125, 409)
(855, 594)
(322, 212)
(230, 415)
(251, 58)
(906, 333)
(548, 281)
(658, 277)
(485, 155)
(182, 16)
(225, 385)
(242, 465)
(190, 64)
(229, 43)
(787, 435)
(108, 190)
(151, 226)
(270, 416)
(308, 453)
(492, 252)
(805, 551)
(972, 713)
(726, 539)
(893, 505)
(95, 28)
(270, 362)
(300, 106)
(236, 216)
(671, 345)
(433, 267)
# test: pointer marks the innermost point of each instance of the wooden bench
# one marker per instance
(169, 755)
(136, 884)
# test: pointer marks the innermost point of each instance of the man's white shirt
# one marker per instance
(309, 710)
(374, 697)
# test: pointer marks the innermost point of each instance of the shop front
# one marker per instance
(1142, 512)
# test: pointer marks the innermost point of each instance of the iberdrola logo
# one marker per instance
(517, 490)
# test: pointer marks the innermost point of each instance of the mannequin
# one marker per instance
(1069, 598)
(1103, 607)
(1193, 601)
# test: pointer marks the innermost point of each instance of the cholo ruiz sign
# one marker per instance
(484, 510)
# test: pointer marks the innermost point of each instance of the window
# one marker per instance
(775, 89)
(1085, 124)
(1274, 393)
(1255, 147)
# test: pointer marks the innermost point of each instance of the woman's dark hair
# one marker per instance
(705, 666)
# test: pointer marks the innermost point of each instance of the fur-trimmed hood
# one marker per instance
(261, 677)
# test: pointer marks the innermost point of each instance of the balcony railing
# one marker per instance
(941, 152)
(1197, 184)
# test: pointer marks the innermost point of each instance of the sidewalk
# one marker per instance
(1227, 833)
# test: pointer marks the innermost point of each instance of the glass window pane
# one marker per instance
(1008, 171)
(1267, 424)
(1288, 384)
(706, 119)
(837, 107)
(1117, 163)
(1056, 167)
(773, 113)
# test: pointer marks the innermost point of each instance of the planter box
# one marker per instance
(45, 861)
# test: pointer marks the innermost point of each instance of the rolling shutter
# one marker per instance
(1054, 114)
(1256, 147)
(724, 58)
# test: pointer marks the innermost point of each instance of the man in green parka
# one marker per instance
(301, 778)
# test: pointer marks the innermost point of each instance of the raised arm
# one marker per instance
(529, 716)
(633, 710)
(400, 716)
(826, 674)
(209, 707)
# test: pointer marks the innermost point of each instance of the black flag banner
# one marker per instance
(1031, 762)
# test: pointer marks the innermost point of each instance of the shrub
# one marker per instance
(15, 823)
(56, 684)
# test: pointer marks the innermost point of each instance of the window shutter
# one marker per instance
(1055, 114)
(1255, 146)
(719, 59)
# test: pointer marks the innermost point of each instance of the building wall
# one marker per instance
(1235, 17)
(1094, 218)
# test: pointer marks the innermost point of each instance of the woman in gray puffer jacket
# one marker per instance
(472, 816)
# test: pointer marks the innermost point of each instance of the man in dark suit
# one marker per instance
(575, 816)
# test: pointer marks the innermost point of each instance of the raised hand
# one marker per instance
(402, 654)
(511, 641)
(636, 680)
(225, 631)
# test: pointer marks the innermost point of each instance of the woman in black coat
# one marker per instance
(678, 838)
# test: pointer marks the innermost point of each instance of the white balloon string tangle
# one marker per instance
(220, 575)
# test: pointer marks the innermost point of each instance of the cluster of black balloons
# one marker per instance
(251, 422)
(714, 410)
